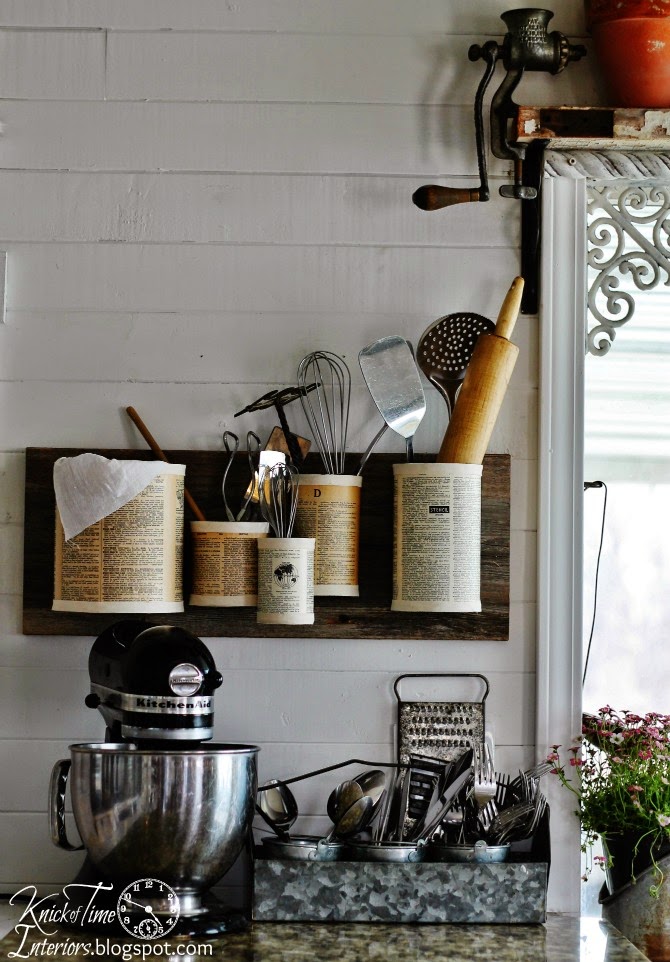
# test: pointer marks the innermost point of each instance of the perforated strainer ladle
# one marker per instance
(445, 349)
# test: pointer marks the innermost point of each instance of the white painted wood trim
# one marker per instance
(563, 320)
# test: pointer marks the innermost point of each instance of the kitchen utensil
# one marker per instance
(231, 443)
(253, 459)
(327, 408)
(279, 399)
(277, 806)
(484, 386)
(441, 806)
(384, 820)
(342, 798)
(485, 786)
(278, 495)
(153, 444)
(445, 349)
(392, 377)
(182, 816)
(372, 783)
(277, 442)
(368, 451)
(357, 817)
(154, 799)
(443, 730)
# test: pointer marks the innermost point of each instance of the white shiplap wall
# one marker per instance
(193, 195)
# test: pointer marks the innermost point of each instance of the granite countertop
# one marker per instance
(561, 939)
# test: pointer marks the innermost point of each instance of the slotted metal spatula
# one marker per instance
(445, 349)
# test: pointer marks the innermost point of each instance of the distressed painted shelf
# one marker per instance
(368, 616)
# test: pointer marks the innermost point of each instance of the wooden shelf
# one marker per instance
(366, 617)
(594, 128)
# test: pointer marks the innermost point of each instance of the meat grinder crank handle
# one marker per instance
(434, 196)
(59, 776)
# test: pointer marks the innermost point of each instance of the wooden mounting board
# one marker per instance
(366, 617)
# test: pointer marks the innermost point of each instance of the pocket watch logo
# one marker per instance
(148, 909)
(285, 574)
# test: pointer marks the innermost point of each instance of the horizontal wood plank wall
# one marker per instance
(192, 196)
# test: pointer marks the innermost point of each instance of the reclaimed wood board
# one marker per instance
(368, 616)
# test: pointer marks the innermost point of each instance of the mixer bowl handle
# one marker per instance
(57, 787)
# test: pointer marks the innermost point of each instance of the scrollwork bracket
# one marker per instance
(628, 245)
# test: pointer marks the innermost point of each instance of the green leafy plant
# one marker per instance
(618, 769)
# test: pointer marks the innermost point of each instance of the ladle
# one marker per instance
(394, 382)
(278, 807)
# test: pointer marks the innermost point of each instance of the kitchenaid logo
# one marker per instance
(198, 704)
(60, 924)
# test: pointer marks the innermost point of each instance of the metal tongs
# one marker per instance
(231, 443)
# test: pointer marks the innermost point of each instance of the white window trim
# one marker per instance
(561, 488)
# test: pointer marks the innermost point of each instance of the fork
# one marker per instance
(485, 780)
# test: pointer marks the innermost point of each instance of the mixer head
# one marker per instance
(153, 682)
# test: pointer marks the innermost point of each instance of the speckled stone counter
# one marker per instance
(560, 939)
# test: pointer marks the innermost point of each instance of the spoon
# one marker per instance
(355, 819)
(372, 783)
(278, 807)
(341, 798)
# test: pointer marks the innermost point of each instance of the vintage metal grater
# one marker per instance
(439, 729)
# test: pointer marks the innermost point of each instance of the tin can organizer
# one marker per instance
(225, 562)
(329, 510)
(436, 537)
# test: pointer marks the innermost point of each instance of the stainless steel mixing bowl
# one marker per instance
(181, 816)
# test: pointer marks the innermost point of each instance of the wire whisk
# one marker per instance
(327, 407)
(278, 497)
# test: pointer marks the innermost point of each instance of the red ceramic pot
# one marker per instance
(600, 11)
(631, 41)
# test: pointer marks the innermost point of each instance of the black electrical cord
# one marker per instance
(587, 485)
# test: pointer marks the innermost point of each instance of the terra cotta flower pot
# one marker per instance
(631, 41)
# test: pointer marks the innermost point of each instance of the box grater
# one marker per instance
(439, 729)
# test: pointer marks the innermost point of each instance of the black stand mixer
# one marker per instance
(162, 812)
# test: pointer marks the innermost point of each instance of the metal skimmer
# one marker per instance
(445, 349)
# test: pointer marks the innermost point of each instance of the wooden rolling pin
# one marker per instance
(483, 389)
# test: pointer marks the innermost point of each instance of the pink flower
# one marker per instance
(576, 762)
(645, 754)
(554, 757)
(635, 788)
(600, 859)
(663, 820)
